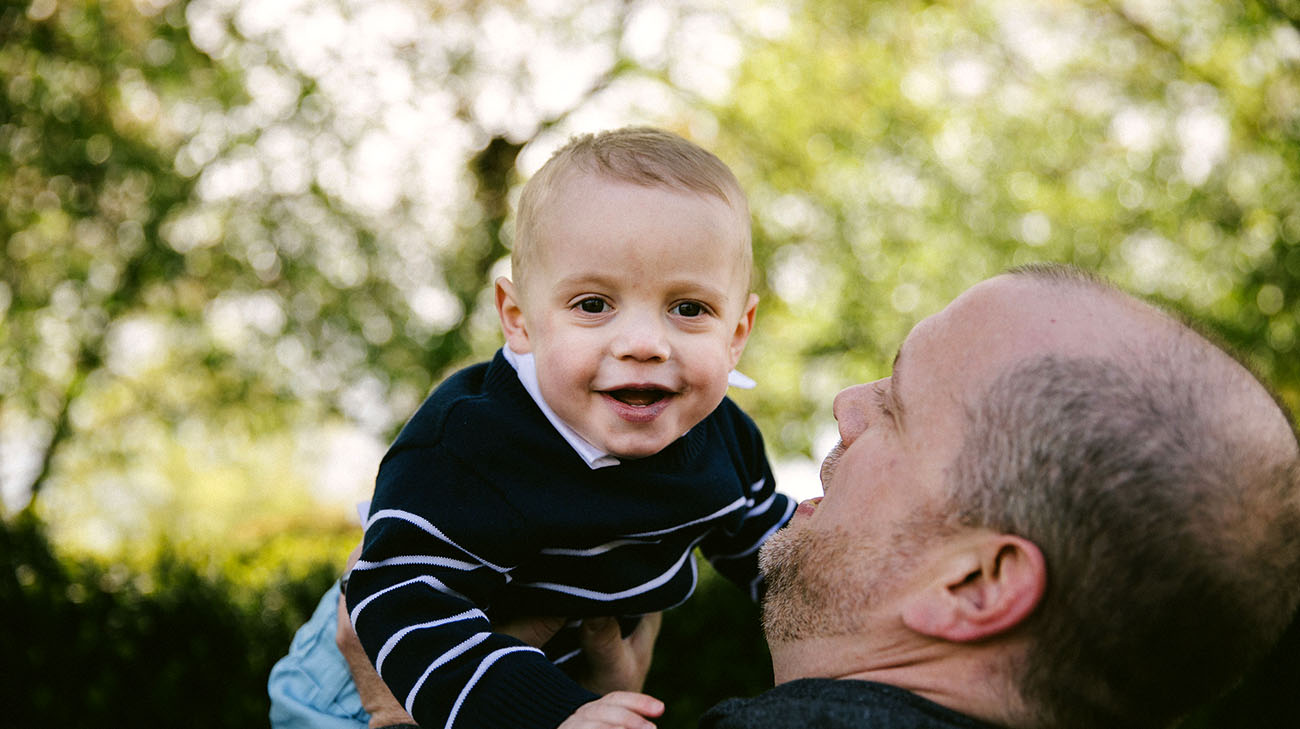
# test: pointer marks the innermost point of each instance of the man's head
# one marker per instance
(1093, 503)
(631, 274)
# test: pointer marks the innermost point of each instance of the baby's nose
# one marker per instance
(642, 338)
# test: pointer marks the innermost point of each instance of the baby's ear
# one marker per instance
(743, 328)
(512, 317)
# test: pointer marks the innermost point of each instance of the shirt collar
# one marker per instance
(526, 367)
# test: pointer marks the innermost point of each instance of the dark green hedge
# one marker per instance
(90, 645)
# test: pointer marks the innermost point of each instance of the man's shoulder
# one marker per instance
(835, 704)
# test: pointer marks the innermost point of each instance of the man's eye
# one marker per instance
(882, 401)
(592, 305)
(689, 309)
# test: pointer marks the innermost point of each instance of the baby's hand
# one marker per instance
(618, 710)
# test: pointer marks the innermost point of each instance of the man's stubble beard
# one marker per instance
(824, 584)
(808, 592)
(817, 584)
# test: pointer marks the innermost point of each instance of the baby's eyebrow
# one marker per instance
(694, 288)
(584, 279)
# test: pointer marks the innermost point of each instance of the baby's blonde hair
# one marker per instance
(639, 155)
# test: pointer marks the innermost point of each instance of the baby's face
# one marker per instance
(636, 307)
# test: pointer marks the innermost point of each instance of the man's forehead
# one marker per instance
(1008, 318)
(1026, 312)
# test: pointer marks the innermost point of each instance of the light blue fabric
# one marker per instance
(311, 687)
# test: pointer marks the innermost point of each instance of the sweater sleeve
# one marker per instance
(434, 556)
(734, 553)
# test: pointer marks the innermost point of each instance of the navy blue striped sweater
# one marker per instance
(483, 512)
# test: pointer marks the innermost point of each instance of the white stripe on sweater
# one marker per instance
(427, 526)
(391, 643)
(422, 579)
(767, 504)
(473, 680)
(601, 549)
(738, 503)
(611, 596)
(460, 648)
(424, 559)
(789, 508)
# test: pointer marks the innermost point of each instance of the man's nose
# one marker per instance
(853, 409)
(642, 337)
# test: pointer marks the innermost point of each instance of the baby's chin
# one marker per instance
(636, 451)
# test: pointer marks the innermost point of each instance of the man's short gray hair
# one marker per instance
(1171, 533)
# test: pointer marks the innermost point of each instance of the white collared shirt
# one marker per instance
(526, 367)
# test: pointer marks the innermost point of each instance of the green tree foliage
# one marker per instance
(232, 225)
(898, 152)
(86, 183)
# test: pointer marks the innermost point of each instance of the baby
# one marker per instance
(576, 472)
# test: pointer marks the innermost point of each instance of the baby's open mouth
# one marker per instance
(638, 397)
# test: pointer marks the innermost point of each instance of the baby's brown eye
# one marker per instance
(689, 309)
(592, 306)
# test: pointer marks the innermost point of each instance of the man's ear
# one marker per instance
(985, 587)
(743, 328)
(512, 317)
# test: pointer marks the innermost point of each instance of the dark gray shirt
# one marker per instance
(835, 704)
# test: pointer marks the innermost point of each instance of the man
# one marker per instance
(1063, 509)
